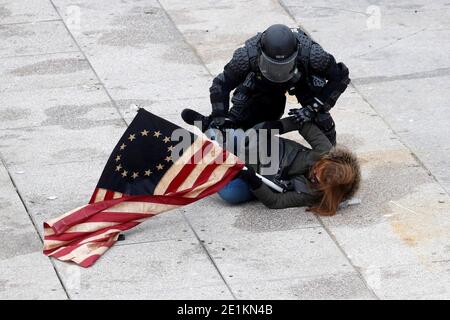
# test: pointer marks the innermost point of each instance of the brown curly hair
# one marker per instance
(337, 175)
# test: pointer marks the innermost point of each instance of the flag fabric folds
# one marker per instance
(142, 178)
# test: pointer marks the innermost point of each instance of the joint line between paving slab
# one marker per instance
(187, 221)
(21, 199)
(401, 140)
(28, 22)
(38, 54)
(90, 66)
(330, 234)
(209, 256)
(357, 270)
(34, 224)
(289, 13)
(200, 60)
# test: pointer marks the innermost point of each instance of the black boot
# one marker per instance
(192, 117)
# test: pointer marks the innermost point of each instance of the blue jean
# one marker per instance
(236, 191)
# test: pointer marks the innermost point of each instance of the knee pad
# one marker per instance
(235, 192)
(325, 122)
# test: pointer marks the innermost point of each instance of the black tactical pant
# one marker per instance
(262, 107)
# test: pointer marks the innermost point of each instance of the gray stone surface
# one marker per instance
(68, 107)
(146, 271)
(408, 33)
(213, 216)
(137, 51)
(83, 177)
(275, 255)
(215, 29)
(73, 188)
(22, 11)
(341, 286)
(403, 221)
(419, 115)
(16, 283)
(35, 38)
(20, 252)
(171, 107)
(421, 281)
(69, 86)
(46, 71)
(76, 140)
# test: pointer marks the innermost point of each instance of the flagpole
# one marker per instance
(267, 182)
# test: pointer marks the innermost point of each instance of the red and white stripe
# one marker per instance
(84, 234)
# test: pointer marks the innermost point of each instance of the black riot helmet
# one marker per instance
(278, 54)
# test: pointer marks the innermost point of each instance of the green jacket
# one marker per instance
(295, 164)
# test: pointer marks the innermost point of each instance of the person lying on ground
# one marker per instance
(320, 177)
(277, 61)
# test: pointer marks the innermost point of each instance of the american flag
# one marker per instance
(141, 179)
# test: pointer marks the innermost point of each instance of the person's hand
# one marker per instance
(302, 115)
(222, 123)
(251, 178)
(247, 174)
(218, 121)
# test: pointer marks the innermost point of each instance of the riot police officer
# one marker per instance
(271, 63)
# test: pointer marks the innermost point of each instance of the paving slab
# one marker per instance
(365, 231)
(36, 38)
(147, 271)
(150, 54)
(51, 190)
(214, 29)
(409, 31)
(23, 11)
(333, 286)
(18, 234)
(406, 105)
(57, 70)
(17, 284)
(47, 198)
(412, 282)
(69, 107)
(128, 105)
(146, 93)
(358, 126)
(174, 118)
(213, 216)
(403, 217)
(20, 253)
(134, 47)
(167, 225)
(79, 140)
(276, 255)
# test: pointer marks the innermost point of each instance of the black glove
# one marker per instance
(308, 112)
(250, 177)
(219, 113)
(222, 123)
(218, 122)
(302, 115)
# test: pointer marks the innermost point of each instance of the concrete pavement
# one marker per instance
(72, 74)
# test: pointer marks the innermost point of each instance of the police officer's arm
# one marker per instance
(233, 74)
(271, 199)
(315, 137)
(312, 134)
(337, 75)
(275, 200)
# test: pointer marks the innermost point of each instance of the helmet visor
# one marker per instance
(275, 70)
